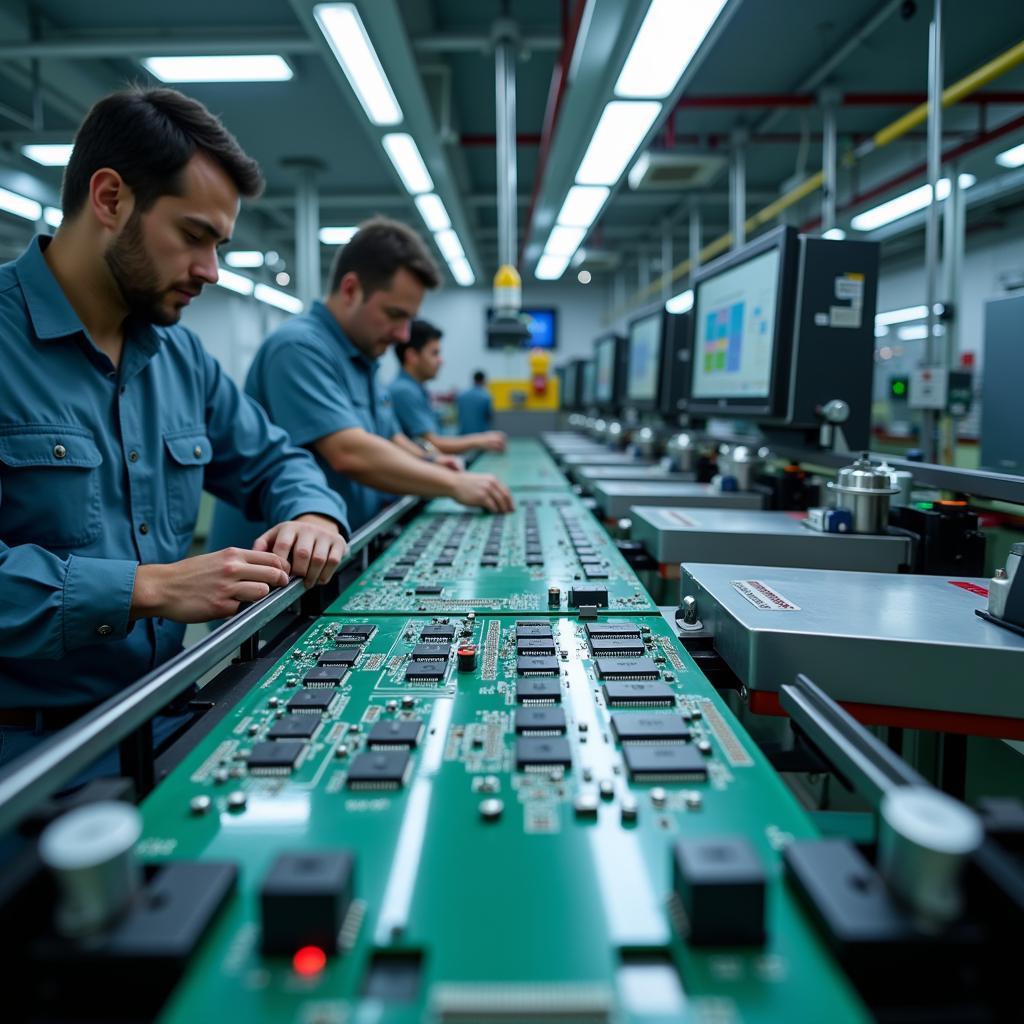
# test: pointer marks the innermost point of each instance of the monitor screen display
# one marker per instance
(587, 381)
(644, 358)
(604, 383)
(542, 324)
(734, 330)
(569, 386)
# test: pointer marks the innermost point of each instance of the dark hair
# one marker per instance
(479, 378)
(377, 250)
(148, 136)
(420, 332)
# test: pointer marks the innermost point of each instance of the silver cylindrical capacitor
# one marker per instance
(924, 840)
(91, 852)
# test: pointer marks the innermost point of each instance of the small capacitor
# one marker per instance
(467, 657)
(554, 597)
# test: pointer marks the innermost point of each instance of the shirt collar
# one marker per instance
(320, 312)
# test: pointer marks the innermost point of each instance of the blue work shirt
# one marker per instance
(411, 403)
(313, 381)
(474, 408)
(101, 468)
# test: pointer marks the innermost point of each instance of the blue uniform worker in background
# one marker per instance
(420, 361)
(475, 407)
(113, 419)
(316, 377)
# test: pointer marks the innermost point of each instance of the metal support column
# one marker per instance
(954, 244)
(696, 237)
(505, 49)
(931, 243)
(666, 259)
(307, 230)
(738, 190)
(829, 159)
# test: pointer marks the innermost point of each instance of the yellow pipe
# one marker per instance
(952, 94)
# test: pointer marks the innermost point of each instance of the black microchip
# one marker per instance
(442, 563)
(535, 645)
(610, 630)
(535, 721)
(355, 634)
(325, 675)
(437, 634)
(405, 563)
(533, 630)
(425, 672)
(637, 694)
(312, 700)
(428, 590)
(431, 652)
(663, 728)
(343, 656)
(278, 757)
(542, 752)
(622, 647)
(536, 665)
(669, 762)
(298, 727)
(395, 732)
(580, 597)
(596, 574)
(488, 563)
(379, 769)
(395, 576)
(538, 691)
(626, 668)
(532, 560)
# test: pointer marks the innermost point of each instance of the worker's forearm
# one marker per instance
(449, 445)
(377, 462)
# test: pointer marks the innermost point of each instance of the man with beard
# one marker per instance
(113, 419)
(316, 377)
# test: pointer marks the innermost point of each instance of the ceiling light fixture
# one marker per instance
(619, 132)
(449, 244)
(834, 234)
(681, 303)
(1011, 157)
(405, 155)
(49, 154)
(234, 282)
(53, 216)
(337, 235)
(564, 241)
(906, 204)
(19, 205)
(273, 297)
(551, 267)
(432, 210)
(462, 271)
(246, 258)
(582, 205)
(254, 67)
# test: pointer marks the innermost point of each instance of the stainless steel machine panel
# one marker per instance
(902, 641)
(585, 475)
(674, 535)
(615, 497)
(602, 457)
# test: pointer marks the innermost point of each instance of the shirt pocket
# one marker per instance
(188, 453)
(49, 485)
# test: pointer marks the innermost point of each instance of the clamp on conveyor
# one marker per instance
(1006, 593)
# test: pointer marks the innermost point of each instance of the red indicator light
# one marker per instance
(309, 960)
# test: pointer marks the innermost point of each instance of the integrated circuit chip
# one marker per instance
(275, 758)
(580, 597)
(533, 630)
(540, 690)
(357, 633)
(612, 630)
(638, 695)
(425, 671)
(669, 762)
(342, 656)
(535, 645)
(533, 752)
(620, 647)
(539, 721)
(536, 665)
(395, 732)
(431, 652)
(379, 769)
(428, 590)
(663, 728)
(437, 633)
(325, 675)
(298, 727)
(626, 668)
(312, 700)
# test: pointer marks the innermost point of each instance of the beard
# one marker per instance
(136, 277)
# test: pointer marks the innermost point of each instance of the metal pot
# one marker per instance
(865, 490)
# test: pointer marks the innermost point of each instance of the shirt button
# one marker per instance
(197, 451)
(143, 528)
(133, 456)
(59, 451)
(105, 630)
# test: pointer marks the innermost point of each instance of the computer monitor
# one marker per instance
(541, 322)
(643, 374)
(569, 375)
(610, 374)
(676, 354)
(588, 380)
(783, 326)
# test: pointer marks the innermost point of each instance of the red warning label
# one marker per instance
(760, 595)
(971, 588)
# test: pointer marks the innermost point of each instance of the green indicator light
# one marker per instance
(926, 506)
(899, 388)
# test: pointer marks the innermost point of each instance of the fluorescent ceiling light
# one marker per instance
(1011, 157)
(902, 316)
(681, 303)
(408, 162)
(582, 205)
(234, 282)
(462, 271)
(551, 267)
(20, 206)
(49, 154)
(564, 241)
(669, 36)
(347, 36)
(623, 126)
(337, 235)
(449, 244)
(909, 202)
(53, 216)
(916, 332)
(255, 67)
(273, 297)
(244, 258)
(432, 210)
(834, 234)
(881, 331)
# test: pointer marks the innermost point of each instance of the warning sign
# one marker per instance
(760, 595)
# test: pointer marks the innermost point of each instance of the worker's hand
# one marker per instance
(452, 462)
(206, 587)
(483, 490)
(493, 441)
(311, 544)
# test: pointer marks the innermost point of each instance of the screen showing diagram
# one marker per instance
(644, 358)
(604, 386)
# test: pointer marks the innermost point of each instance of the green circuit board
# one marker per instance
(453, 559)
(524, 465)
(490, 884)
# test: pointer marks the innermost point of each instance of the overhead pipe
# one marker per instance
(954, 93)
(505, 47)
(849, 99)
